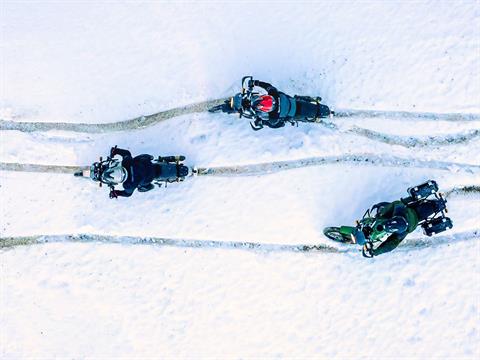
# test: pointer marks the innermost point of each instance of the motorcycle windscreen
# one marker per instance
(359, 237)
(236, 102)
(93, 173)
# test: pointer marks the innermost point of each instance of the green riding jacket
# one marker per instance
(396, 208)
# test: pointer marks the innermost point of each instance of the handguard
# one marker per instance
(256, 125)
(359, 237)
(367, 250)
(112, 194)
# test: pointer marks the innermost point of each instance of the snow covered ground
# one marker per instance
(109, 61)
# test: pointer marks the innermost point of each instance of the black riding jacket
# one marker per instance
(140, 172)
(274, 121)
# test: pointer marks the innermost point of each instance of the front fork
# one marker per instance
(353, 232)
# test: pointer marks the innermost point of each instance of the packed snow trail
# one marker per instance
(150, 120)
(358, 159)
(52, 169)
(406, 115)
(410, 141)
(276, 166)
(133, 124)
(416, 243)
(6, 242)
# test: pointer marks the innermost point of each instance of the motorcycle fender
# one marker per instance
(347, 230)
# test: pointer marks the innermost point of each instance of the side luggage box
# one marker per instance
(437, 225)
(423, 190)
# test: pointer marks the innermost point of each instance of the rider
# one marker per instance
(275, 108)
(134, 173)
(266, 107)
(394, 218)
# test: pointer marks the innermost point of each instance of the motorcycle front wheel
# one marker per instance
(333, 233)
(216, 108)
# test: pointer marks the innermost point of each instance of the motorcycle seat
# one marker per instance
(165, 171)
(287, 106)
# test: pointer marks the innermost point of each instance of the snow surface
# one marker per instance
(110, 61)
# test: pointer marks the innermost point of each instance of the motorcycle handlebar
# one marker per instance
(244, 89)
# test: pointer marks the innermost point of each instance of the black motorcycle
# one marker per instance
(167, 169)
(290, 109)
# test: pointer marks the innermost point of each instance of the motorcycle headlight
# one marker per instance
(93, 172)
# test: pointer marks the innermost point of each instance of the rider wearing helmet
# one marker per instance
(266, 107)
(132, 173)
(115, 173)
(276, 108)
(396, 219)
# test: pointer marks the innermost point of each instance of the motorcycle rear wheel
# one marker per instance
(333, 233)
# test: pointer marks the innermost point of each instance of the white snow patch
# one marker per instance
(105, 62)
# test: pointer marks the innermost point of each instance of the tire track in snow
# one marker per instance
(8, 242)
(438, 240)
(410, 141)
(150, 120)
(412, 244)
(406, 115)
(276, 166)
(358, 159)
(463, 191)
(133, 124)
(51, 169)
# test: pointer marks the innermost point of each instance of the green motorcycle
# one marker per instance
(424, 206)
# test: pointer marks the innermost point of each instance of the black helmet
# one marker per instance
(397, 224)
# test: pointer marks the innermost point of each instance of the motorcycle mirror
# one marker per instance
(441, 195)
(101, 159)
(249, 77)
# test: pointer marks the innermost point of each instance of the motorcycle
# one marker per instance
(167, 170)
(292, 109)
(428, 204)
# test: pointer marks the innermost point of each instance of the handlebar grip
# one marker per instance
(243, 83)
(247, 77)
